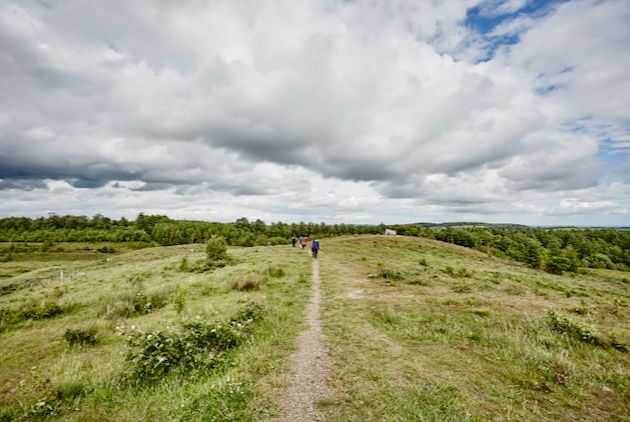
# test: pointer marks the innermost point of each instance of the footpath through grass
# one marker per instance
(422, 330)
(145, 335)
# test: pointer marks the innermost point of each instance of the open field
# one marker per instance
(416, 330)
(43, 374)
(422, 330)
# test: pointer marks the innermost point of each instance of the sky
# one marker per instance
(336, 111)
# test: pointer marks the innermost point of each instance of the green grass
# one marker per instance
(416, 330)
(72, 366)
(458, 335)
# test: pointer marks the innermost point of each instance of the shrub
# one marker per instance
(573, 331)
(179, 299)
(46, 246)
(117, 310)
(70, 390)
(275, 271)
(246, 283)
(388, 274)
(44, 310)
(8, 257)
(183, 264)
(197, 345)
(106, 249)
(565, 260)
(30, 310)
(216, 248)
(599, 260)
(132, 305)
(81, 336)
(252, 312)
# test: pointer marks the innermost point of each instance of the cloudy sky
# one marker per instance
(356, 111)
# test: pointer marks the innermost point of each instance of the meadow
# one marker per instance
(93, 346)
(424, 330)
(416, 329)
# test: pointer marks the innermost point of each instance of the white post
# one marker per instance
(61, 277)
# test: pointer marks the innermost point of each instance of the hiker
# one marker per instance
(305, 242)
(315, 248)
(302, 242)
(293, 241)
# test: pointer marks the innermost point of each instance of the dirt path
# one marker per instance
(309, 365)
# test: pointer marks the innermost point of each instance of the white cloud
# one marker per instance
(259, 103)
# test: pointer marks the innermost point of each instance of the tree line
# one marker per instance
(165, 231)
(552, 249)
(555, 250)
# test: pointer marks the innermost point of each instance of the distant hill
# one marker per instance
(473, 224)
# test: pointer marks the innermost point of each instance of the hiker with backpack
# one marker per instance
(315, 248)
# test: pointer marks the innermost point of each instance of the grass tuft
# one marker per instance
(245, 283)
(85, 336)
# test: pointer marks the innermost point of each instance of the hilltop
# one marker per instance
(416, 329)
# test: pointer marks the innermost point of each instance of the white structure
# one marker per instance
(389, 232)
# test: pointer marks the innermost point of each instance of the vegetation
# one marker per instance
(470, 336)
(136, 339)
(119, 328)
(554, 250)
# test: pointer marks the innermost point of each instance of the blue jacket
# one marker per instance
(315, 245)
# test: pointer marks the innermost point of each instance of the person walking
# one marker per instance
(315, 248)
(293, 241)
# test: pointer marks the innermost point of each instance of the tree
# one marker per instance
(216, 248)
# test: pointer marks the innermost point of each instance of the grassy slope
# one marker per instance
(441, 343)
(476, 344)
(41, 375)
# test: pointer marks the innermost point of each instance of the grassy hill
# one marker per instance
(417, 330)
(422, 330)
(126, 305)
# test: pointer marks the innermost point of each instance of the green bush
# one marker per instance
(562, 261)
(197, 345)
(573, 331)
(81, 336)
(30, 310)
(106, 249)
(216, 248)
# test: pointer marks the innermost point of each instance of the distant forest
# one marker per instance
(556, 250)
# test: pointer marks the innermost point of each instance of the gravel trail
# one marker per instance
(309, 365)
